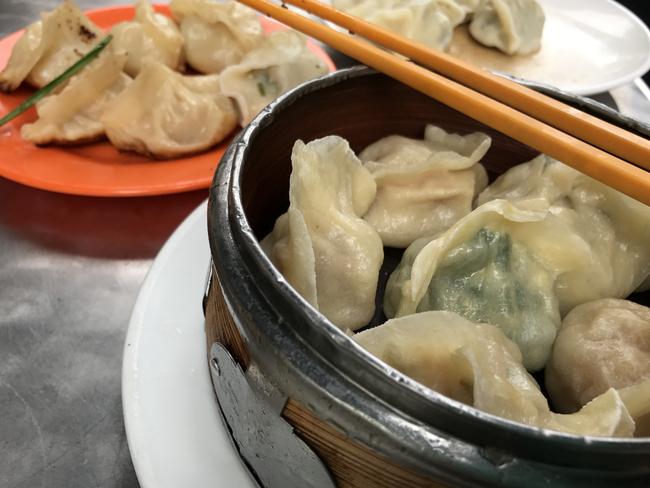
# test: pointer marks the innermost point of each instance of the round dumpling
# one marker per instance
(601, 344)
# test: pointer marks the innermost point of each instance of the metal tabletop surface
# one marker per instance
(70, 270)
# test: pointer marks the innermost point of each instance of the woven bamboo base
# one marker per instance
(351, 464)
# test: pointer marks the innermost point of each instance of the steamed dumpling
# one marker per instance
(281, 62)
(149, 37)
(601, 344)
(492, 266)
(165, 114)
(513, 26)
(49, 47)
(322, 246)
(477, 365)
(73, 115)
(423, 186)
(216, 35)
(614, 228)
(430, 22)
(561, 239)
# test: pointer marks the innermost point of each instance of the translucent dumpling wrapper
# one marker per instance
(165, 114)
(50, 46)
(477, 365)
(73, 115)
(322, 246)
(496, 265)
(430, 22)
(149, 37)
(601, 344)
(216, 35)
(423, 185)
(281, 62)
(615, 228)
(513, 26)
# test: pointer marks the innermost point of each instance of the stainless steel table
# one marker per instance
(70, 270)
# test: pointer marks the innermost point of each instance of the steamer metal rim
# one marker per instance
(299, 354)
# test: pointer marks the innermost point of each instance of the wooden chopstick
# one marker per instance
(593, 130)
(592, 161)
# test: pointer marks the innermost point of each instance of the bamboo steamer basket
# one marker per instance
(309, 407)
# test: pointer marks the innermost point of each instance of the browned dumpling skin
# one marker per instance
(49, 46)
(601, 344)
(73, 115)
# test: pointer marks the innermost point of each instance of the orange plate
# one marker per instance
(99, 169)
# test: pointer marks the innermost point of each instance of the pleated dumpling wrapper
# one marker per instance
(216, 34)
(615, 228)
(165, 114)
(485, 267)
(322, 246)
(50, 46)
(423, 185)
(563, 239)
(430, 22)
(601, 344)
(281, 62)
(73, 116)
(477, 365)
(513, 26)
(149, 37)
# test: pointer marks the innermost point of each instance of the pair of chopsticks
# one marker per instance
(588, 144)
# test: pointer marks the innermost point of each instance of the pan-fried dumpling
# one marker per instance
(322, 246)
(615, 227)
(513, 26)
(601, 344)
(216, 34)
(150, 36)
(430, 22)
(477, 365)
(73, 115)
(165, 114)
(281, 62)
(49, 47)
(423, 186)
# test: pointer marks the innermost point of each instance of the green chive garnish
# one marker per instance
(68, 73)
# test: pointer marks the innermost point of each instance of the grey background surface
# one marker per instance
(70, 270)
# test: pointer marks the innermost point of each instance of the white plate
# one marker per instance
(173, 425)
(588, 47)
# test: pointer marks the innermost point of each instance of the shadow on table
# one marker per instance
(112, 228)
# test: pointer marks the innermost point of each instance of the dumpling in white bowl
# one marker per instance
(601, 344)
(73, 115)
(513, 26)
(423, 185)
(322, 246)
(430, 22)
(281, 62)
(50, 46)
(216, 34)
(149, 37)
(164, 114)
(476, 364)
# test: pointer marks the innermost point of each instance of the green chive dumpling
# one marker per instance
(486, 268)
